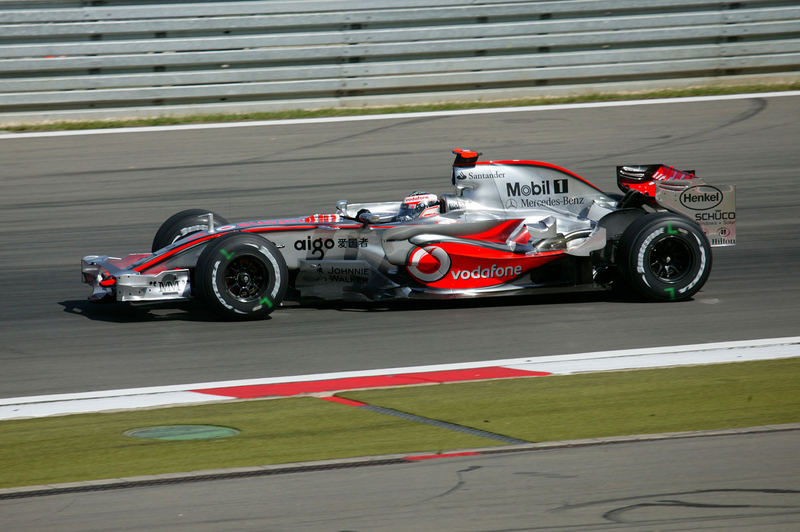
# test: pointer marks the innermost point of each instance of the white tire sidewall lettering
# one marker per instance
(276, 271)
(189, 230)
(214, 287)
(261, 253)
(700, 270)
(645, 246)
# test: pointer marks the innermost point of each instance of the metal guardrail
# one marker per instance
(72, 59)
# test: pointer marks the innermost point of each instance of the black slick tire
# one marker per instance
(183, 224)
(664, 257)
(240, 276)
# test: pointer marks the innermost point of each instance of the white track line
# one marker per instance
(395, 116)
(48, 405)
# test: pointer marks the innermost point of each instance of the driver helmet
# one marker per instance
(418, 205)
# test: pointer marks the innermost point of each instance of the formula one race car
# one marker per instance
(509, 227)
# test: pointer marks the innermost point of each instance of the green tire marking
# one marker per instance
(671, 292)
(670, 230)
(227, 255)
(267, 301)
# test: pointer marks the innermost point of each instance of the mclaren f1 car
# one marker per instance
(506, 227)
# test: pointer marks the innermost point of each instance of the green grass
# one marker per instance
(93, 446)
(348, 111)
(608, 404)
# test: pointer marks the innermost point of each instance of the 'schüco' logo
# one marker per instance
(543, 188)
(701, 197)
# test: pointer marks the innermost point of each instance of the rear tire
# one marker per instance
(183, 224)
(664, 257)
(241, 276)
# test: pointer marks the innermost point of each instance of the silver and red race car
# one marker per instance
(508, 227)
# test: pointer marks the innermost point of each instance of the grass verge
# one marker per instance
(351, 111)
(612, 404)
(93, 446)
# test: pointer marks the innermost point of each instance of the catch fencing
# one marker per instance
(100, 59)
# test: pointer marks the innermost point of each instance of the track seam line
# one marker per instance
(443, 424)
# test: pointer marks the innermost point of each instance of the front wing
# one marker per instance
(109, 280)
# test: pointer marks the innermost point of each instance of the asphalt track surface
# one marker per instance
(66, 197)
(746, 482)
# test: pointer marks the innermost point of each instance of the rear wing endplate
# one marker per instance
(712, 207)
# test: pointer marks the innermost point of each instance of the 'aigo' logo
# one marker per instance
(316, 246)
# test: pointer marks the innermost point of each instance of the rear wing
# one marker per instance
(712, 207)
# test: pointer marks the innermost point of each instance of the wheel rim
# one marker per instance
(671, 259)
(246, 278)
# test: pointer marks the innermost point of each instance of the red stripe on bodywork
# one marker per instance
(379, 381)
(540, 163)
(128, 260)
(280, 228)
(172, 252)
(255, 229)
(492, 267)
(168, 254)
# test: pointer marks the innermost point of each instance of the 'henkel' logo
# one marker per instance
(491, 272)
(701, 197)
(543, 188)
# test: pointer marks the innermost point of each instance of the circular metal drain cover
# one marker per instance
(182, 432)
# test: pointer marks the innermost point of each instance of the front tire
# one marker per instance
(183, 224)
(241, 276)
(664, 257)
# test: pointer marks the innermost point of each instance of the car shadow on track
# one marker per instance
(122, 313)
(406, 305)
